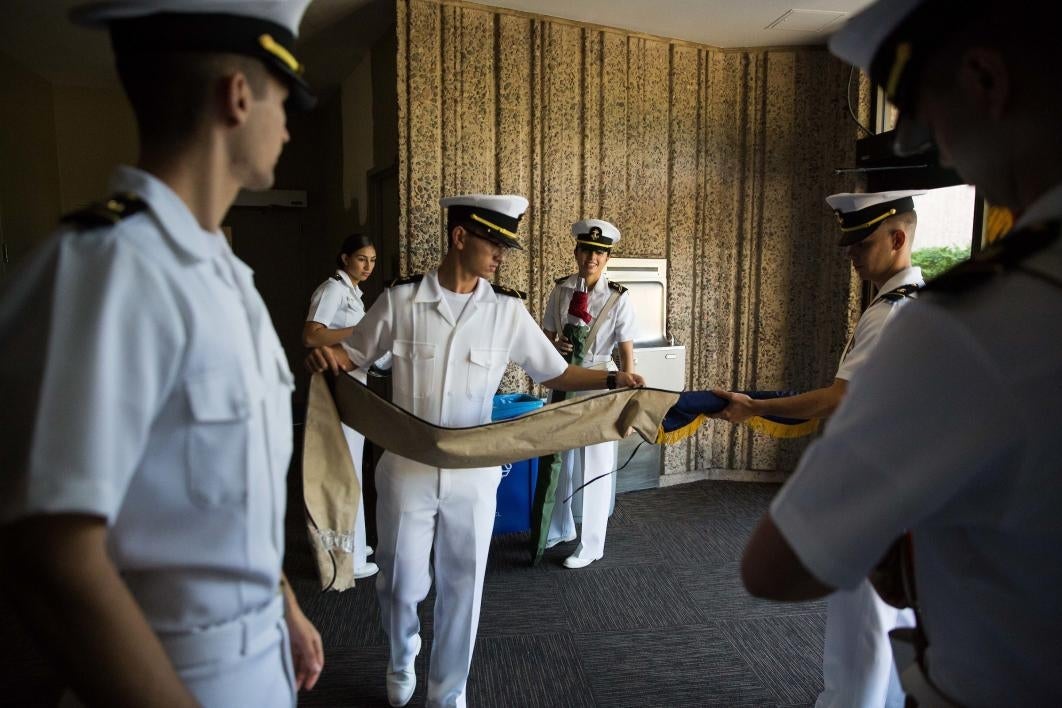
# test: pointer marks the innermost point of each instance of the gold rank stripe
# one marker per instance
(598, 244)
(903, 55)
(886, 215)
(480, 219)
(270, 45)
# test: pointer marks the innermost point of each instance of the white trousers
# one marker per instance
(857, 666)
(356, 443)
(578, 467)
(419, 507)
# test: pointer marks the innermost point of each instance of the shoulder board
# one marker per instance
(106, 213)
(409, 279)
(502, 290)
(335, 277)
(617, 287)
(561, 279)
(1001, 257)
(897, 294)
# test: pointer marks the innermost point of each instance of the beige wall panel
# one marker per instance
(468, 101)
(514, 138)
(724, 264)
(614, 103)
(514, 100)
(560, 202)
(716, 160)
(403, 143)
(774, 236)
(645, 223)
(424, 243)
(592, 119)
(683, 226)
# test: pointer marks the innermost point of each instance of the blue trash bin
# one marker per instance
(511, 405)
(516, 492)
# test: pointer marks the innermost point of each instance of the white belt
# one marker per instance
(246, 635)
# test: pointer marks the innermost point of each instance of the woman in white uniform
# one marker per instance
(335, 307)
(611, 326)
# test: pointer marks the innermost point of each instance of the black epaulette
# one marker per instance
(502, 290)
(904, 291)
(406, 280)
(561, 279)
(335, 277)
(105, 213)
(617, 287)
(1001, 257)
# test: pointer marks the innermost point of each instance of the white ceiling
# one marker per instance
(37, 33)
(718, 23)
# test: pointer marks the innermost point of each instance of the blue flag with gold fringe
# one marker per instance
(694, 407)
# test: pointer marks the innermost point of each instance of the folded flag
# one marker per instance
(579, 306)
(684, 418)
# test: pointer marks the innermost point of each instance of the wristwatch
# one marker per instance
(610, 380)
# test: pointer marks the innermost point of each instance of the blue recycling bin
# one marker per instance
(516, 492)
(511, 405)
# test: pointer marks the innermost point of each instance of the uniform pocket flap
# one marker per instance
(488, 357)
(217, 396)
(413, 350)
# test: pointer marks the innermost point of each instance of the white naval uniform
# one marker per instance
(974, 477)
(584, 464)
(447, 367)
(857, 666)
(337, 304)
(159, 398)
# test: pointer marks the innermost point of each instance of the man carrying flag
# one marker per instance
(876, 232)
(452, 333)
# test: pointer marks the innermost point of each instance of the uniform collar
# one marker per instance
(907, 276)
(430, 290)
(185, 234)
(600, 286)
(346, 279)
(1048, 207)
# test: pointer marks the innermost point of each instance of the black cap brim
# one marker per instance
(267, 41)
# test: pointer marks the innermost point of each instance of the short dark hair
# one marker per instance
(354, 242)
(171, 91)
(452, 222)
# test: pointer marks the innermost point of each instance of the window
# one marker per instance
(945, 228)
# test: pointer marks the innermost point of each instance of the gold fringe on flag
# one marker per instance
(781, 430)
(679, 434)
(762, 425)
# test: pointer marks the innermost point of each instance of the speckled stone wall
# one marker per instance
(717, 160)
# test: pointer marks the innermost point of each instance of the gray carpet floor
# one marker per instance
(661, 620)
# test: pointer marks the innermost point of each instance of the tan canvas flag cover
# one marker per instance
(588, 420)
(330, 489)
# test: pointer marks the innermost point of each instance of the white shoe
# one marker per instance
(576, 562)
(402, 683)
(550, 543)
(366, 571)
(368, 550)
